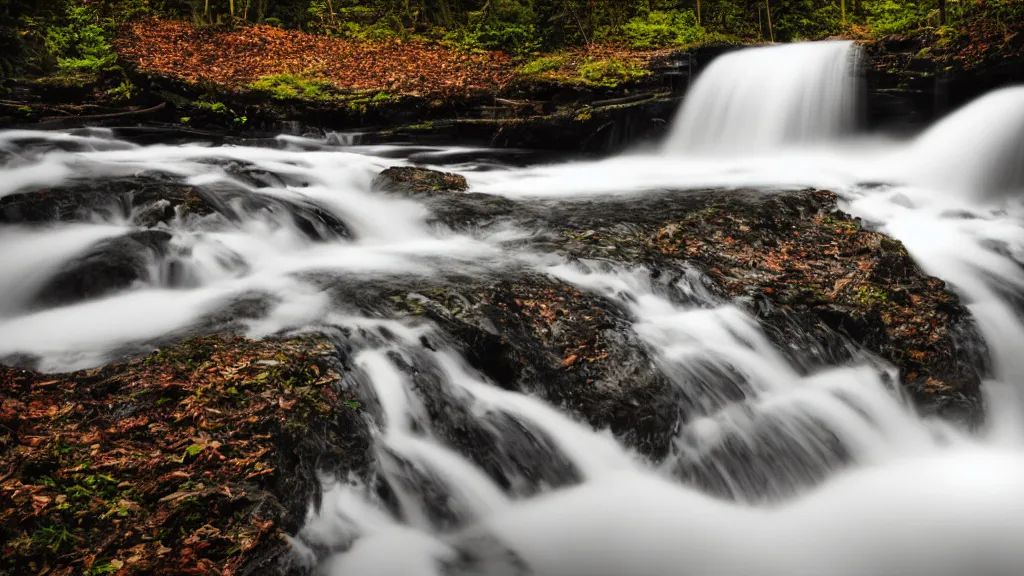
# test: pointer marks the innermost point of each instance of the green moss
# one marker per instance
(870, 295)
(544, 64)
(293, 87)
(382, 97)
(610, 73)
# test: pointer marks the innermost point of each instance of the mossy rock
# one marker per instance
(412, 179)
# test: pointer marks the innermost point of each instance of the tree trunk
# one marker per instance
(942, 12)
(768, 11)
(698, 11)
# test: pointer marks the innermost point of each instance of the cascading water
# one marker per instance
(759, 99)
(978, 151)
(922, 498)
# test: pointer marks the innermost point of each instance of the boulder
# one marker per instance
(415, 180)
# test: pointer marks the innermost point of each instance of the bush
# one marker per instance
(807, 20)
(663, 29)
(507, 26)
(81, 45)
(892, 17)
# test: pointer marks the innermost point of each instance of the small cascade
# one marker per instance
(978, 151)
(760, 99)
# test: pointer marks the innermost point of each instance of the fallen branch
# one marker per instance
(61, 122)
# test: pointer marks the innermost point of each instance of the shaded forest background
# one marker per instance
(41, 36)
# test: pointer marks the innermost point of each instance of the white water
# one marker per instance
(764, 98)
(911, 496)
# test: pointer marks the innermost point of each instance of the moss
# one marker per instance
(583, 115)
(544, 64)
(610, 73)
(382, 97)
(869, 296)
(294, 87)
(594, 72)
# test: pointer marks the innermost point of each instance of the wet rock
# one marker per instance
(109, 266)
(409, 179)
(825, 290)
(577, 350)
(145, 202)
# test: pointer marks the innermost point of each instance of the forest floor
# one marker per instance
(291, 61)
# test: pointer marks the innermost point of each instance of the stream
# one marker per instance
(844, 477)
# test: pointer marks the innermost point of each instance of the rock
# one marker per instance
(578, 350)
(143, 201)
(227, 456)
(409, 179)
(808, 272)
(109, 266)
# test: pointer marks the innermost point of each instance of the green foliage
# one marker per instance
(807, 19)
(53, 536)
(663, 29)
(123, 91)
(82, 44)
(503, 25)
(292, 87)
(895, 17)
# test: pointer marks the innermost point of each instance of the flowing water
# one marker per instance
(839, 476)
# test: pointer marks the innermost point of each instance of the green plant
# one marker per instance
(502, 25)
(82, 44)
(100, 568)
(663, 29)
(52, 536)
(892, 17)
(123, 91)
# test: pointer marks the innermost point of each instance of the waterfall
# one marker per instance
(760, 99)
(977, 150)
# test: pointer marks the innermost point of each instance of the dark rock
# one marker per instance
(809, 273)
(415, 180)
(145, 201)
(109, 266)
